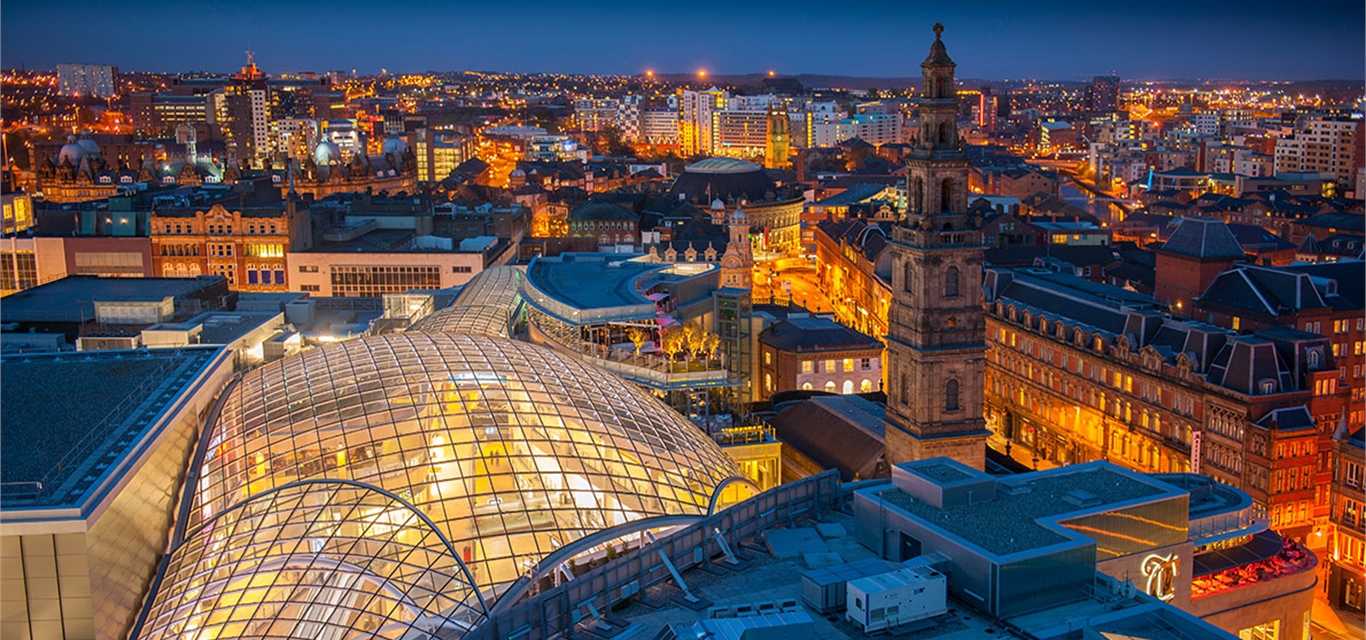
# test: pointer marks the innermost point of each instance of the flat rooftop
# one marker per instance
(770, 579)
(222, 327)
(72, 299)
(68, 445)
(592, 282)
(1009, 523)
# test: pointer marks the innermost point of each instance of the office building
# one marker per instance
(87, 80)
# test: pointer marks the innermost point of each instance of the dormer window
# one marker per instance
(1266, 385)
(1314, 358)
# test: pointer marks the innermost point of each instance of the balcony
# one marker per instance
(653, 370)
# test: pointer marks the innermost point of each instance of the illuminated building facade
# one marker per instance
(935, 349)
(88, 80)
(779, 144)
(246, 121)
(1079, 371)
(854, 268)
(808, 353)
(774, 212)
(245, 244)
(439, 152)
(695, 119)
(1347, 554)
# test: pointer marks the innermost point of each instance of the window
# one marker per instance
(905, 389)
(848, 387)
(830, 387)
(768, 382)
(848, 364)
(768, 357)
(951, 282)
(462, 269)
(308, 268)
(308, 287)
(866, 364)
(829, 366)
(808, 366)
(951, 396)
(806, 386)
(866, 386)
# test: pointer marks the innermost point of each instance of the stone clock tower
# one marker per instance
(936, 340)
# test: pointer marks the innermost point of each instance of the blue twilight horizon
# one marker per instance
(989, 39)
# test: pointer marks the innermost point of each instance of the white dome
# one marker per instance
(91, 148)
(71, 152)
(395, 147)
(327, 153)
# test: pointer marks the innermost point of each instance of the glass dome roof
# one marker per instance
(512, 450)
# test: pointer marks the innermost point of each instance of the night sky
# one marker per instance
(1227, 39)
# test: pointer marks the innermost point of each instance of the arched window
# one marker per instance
(951, 282)
(830, 387)
(905, 389)
(943, 133)
(768, 382)
(919, 200)
(866, 386)
(906, 275)
(946, 195)
(1315, 358)
(951, 395)
(806, 386)
(848, 387)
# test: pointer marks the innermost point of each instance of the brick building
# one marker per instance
(815, 354)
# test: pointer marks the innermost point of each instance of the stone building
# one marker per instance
(935, 347)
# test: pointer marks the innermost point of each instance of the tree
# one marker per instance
(713, 341)
(695, 338)
(672, 342)
(610, 141)
(639, 336)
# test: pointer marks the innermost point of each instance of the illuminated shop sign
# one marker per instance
(1161, 573)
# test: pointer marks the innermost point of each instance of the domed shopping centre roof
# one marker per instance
(510, 449)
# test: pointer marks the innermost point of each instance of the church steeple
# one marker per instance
(936, 339)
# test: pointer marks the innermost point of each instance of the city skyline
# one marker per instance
(1063, 41)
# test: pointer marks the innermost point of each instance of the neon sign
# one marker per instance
(1161, 572)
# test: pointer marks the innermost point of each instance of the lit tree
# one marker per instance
(672, 342)
(639, 337)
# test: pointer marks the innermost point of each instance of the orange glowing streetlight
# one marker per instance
(701, 73)
(770, 73)
(649, 73)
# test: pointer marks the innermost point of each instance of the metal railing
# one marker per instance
(558, 610)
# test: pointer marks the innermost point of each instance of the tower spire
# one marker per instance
(936, 338)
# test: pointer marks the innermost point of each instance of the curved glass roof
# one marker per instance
(321, 559)
(511, 449)
(487, 305)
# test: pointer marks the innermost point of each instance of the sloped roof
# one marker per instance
(847, 433)
(1205, 238)
(811, 334)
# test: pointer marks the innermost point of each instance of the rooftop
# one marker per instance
(815, 334)
(590, 283)
(54, 458)
(72, 299)
(1009, 523)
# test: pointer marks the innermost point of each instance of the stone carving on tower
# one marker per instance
(737, 263)
(936, 341)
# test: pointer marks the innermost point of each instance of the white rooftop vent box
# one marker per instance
(896, 598)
